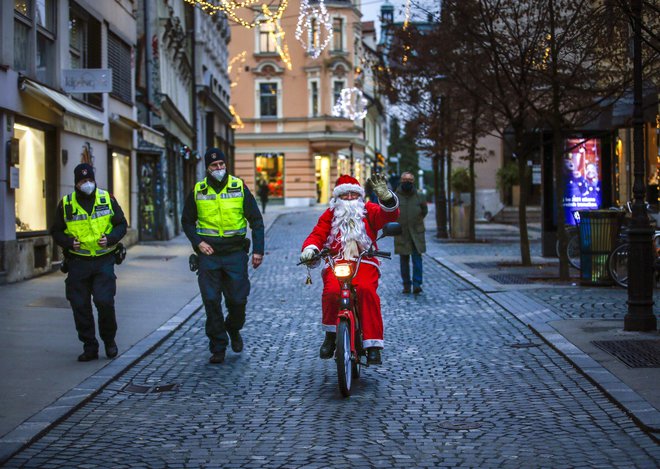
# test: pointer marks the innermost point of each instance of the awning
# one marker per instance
(62, 101)
(124, 121)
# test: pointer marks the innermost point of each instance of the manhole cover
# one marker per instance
(149, 257)
(50, 302)
(511, 279)
(459, 425)
(634, 353)
(482, 265)
(524, 345)
(144, 389)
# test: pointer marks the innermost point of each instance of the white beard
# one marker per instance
(347, 224)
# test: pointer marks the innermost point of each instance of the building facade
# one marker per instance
(67, 78)
(286, 134)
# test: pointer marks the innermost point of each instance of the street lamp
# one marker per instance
(640, 315)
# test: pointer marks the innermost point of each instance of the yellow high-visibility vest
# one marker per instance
(220, 213)
(89, 228)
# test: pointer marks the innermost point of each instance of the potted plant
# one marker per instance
(507, 179)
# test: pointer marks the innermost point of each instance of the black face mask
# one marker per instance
(407, 186)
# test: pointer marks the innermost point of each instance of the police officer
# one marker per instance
(88, 225)
(215, 219)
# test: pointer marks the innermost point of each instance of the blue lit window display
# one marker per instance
(582, 176)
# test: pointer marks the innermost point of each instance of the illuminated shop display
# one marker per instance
(121, 182)
(30, 195)
(270, 168)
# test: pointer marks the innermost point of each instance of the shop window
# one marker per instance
(85, 46)
(119, 60)
(31, 193)
(337, 34)
(270, 168)
(121, 182)
(268, 99)
(337, 86)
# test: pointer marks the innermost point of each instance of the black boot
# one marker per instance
(328, 346)
(373, 356)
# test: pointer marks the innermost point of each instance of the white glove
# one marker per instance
(308, 253)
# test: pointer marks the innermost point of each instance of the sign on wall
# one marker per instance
(87, 80)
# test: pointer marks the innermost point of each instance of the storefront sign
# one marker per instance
(13, 177)
(82, 127)
(582, 175)
(152, 137)
(87, 80)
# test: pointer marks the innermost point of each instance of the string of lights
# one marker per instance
(351, 104)
(277, 36)
(314, 28)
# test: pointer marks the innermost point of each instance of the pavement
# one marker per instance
(41, 379)
(527, 349)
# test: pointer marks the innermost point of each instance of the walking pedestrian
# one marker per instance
(215, 218)
(263, 191)
(88, 225)
(411, 243)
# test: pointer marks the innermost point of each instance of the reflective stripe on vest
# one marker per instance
(220, 213)
(86, 228)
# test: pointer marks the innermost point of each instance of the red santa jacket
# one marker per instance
(376, 218)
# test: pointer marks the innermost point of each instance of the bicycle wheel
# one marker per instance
(573, 250)
(617, 265)
(343, 358)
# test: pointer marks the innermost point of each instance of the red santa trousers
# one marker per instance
(366, 283)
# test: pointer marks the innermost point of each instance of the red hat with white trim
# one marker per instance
(346, 184)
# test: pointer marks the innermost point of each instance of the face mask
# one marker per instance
(407, 186)
(219, 174)
(87, 187)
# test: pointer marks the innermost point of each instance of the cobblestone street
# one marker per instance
(463, 384)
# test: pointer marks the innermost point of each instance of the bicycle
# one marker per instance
(617, 262)
(349, 351)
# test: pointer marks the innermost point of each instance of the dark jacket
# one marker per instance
(413, 210)
(231, 244)
(118, 221)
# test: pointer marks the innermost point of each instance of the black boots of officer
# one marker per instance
(328, 346)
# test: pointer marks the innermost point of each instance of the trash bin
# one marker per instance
(598, 234)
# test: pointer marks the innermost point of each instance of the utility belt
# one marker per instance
(193, 260)
(119, 252)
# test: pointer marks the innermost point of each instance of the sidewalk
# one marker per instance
(569, 317)
(41, 379)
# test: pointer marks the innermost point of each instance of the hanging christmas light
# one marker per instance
(351, 104)
(231, 8)
(241, 59)
(314, 28)
(277, 36)
(238, 123)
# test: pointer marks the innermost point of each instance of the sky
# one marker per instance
(371, 9)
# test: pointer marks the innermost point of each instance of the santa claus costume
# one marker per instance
(348, 227)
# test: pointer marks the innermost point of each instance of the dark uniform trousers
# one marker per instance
(223, 275)
(92, 277)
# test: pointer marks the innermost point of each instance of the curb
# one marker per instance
(34, 427)
(536, 317)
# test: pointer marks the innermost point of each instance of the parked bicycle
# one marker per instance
(617, 262)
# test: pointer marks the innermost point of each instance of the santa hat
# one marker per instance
(346, 184)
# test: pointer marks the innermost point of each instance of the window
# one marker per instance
(268, 99)
(314, 34)
(85, 45)
(337, 34)
(337, 86)
(314, 96)
(119, 60)
(266, 37)
(31, 192)
(34, 31)
(121, 182)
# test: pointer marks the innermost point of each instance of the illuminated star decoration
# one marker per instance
(230, 7)
(314, 28)
(277, 35)
(351, 104)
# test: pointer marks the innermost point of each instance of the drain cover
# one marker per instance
(482, 265)
(524, 345)
(459, 425)
(634, 353)
(149, 257)
(511, 279)
(143, 389)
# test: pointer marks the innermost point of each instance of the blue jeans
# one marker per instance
(416, 269)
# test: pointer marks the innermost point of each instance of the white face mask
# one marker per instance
(219, 174)
(88, 187)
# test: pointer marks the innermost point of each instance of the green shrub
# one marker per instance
(460, 180)
(507, 176)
